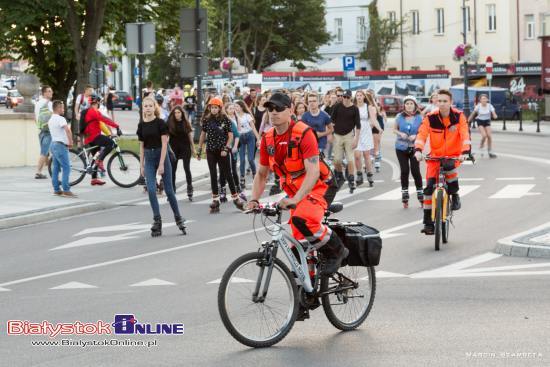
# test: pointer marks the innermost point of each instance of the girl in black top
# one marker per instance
(152, 133)
(181, 142)
(216, 131)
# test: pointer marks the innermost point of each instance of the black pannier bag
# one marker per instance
(363, 242)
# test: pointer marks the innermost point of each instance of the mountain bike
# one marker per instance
(123, 167)
(260, 298)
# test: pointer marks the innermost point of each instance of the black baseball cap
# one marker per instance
(348, 93)
(278, 100)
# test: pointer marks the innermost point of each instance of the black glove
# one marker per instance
(118, 131)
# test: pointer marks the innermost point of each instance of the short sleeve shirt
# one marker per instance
(150, 133)
(217, 132)
(308, 147)
(318, 123)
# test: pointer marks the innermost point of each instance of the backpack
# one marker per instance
(82, 121)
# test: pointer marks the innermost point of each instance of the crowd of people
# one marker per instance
(347, 125)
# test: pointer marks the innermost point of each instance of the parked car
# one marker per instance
(3, 95)
(391, 104)
(506, 105)
(124, 100)
(13, 99)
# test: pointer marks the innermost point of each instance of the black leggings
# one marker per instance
(408, 163)
(215, 160)
(102, 141)
(186, 158)
(234, 173)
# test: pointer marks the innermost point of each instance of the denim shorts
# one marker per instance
(45, 141)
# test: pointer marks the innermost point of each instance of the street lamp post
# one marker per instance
(464, 33)
(229, 35)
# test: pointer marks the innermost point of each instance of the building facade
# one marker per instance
(348, 23)
(506, 30)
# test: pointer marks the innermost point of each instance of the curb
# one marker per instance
(518, 245)
(48, 214)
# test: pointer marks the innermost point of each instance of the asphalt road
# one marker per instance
(431, 308)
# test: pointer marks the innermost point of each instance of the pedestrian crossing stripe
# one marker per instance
(395, 194)
(514, 191)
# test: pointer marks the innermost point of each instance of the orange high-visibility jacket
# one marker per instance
(449, 137)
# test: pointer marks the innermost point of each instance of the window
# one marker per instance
(530, 26)
(415, 22)
(491, 18)
(392, 17)
(545, 24)
(440, 19)
(338, 31)
(361, 29)
(468, 21)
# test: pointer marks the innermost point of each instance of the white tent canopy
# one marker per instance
(332, 65)
(288, 66)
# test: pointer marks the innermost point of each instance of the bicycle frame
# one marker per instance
(280, 238)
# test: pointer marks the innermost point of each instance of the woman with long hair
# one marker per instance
(216, 132)
(249, 139)
(367, 114)
(406, 127)
(299, 109)
(181, 142)
(229, 110)
(483, 112)
(377, 132)
(153, 135)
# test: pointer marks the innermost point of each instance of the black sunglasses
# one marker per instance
(346, 97)
(339, 95)
(271, 107)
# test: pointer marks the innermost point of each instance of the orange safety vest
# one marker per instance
(292, 171)
(445, 140)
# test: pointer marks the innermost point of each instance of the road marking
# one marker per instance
(352, 203)
(394, 168)
(389, 233)
(465, 179)
(514, 192)
(526, 158)
(4, 289)
(466, 189)
(119, 227)
(454, 269)
(514, 178)
(386, 274)
(93, 240)
(152, 282)
(394, 194)
(163, 200)
(509, 267)
(233, 280)
(74, 285)
(341, 195)
(130, 258)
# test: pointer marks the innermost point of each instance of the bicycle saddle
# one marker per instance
(335, 207)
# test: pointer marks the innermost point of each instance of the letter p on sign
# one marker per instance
(349, 63)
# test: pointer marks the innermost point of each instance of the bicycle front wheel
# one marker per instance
(252, 322)
(124, 168)
(438, 220)
(347, 307)
(78, 167)
(445, 226)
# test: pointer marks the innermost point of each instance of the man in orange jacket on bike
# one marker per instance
(447, 129)
(290, 150)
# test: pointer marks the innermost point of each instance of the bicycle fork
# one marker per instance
(266, 261)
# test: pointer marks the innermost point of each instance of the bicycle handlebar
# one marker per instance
(268, 209)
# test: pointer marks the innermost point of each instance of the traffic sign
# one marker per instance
(348, 63)
(489, 67)
(136, 71)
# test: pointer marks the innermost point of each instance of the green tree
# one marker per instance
(382, 36)
(266, 31)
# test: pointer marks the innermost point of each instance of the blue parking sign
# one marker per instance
(349, 63)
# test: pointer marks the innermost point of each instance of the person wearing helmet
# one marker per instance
(216, 132)
(406, 127)
(92, 132)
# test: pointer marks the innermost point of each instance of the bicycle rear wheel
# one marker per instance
(78, 167)
(264, 323)
(124, 168)
(438, 219)
(446, 224)
(347, 309)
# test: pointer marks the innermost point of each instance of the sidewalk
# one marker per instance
(532, 243)
(529, 128)
(26, 200)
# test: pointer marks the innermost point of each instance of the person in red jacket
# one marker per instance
(290, 150)
(447, 130)
(93, 120)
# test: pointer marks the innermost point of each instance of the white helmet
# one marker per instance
(410, 98)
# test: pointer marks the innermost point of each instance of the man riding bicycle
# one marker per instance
(93, 132)
(290, 150)
(449, 136)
